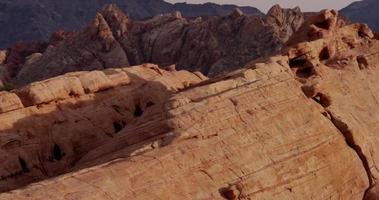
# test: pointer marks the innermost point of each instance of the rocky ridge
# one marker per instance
(298, 125)
(211, 45)
(47, 126)
(41, 18)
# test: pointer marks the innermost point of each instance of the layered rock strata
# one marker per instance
(338, 69)
(46, 127)
(300, 125)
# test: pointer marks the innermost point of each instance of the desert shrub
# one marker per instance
(7, 87)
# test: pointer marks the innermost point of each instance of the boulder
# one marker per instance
(9, 102)
(54, 89)
(95, 81)
(3, 56)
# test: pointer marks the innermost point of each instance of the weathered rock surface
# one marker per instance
(41, 18)
(17, 55)
(338, 69)
(46, 127)
(300, 125)
(213, 141)
(211, 45)
(4, 76)
(9, 101)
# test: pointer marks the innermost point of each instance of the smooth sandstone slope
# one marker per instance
(254, 135)
(300, 125)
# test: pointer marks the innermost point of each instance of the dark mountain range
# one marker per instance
(211, 45)
(35, 20)
(365, 11)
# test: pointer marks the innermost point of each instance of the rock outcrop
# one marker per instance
(17, 55)
(298, 125)
(46, 127)
(41, 18)
(338, 69)
(212, 45)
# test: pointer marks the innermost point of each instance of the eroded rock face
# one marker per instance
(18, 53)
(46, 127)
(211, 45)
(252, 135)
(339, 71)
(299, 125)
(41, 18)
(9, 101)
(291, 127)
(287, 21)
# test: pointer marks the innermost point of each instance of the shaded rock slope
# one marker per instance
(299, 125)
(36, 20)
(211, 45)
(365, 11)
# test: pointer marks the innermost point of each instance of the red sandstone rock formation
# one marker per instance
(299, 125)
(47, 127)
(338, 70)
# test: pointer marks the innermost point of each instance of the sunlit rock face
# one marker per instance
(301, 124)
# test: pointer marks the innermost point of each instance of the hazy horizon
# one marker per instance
(264, 5)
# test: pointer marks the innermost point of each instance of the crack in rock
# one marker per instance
(349, 137)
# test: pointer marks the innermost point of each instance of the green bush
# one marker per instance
(7, 87)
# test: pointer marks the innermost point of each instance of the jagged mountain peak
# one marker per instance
(209, 44)
(41, 18)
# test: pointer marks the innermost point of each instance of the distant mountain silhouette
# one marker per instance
(365, 11)
(23, 20)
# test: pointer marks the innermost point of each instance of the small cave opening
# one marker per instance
(324, 54)
(73, 94)
(24, 165)
(149, 104)
(323, 24)
(362, 62)
(297, 62)
(228, 193)
(57, 152)
(305, 72)
(304, 69)
(138, 111)
(118, 126)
